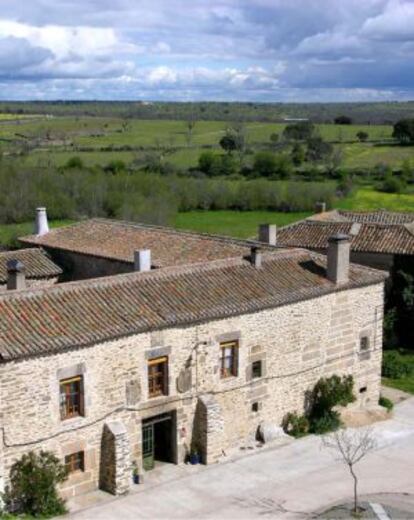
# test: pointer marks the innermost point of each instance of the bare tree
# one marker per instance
(190, 124)
(351, 446)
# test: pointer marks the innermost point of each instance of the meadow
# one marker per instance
(97, 140)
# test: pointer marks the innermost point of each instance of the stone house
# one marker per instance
(380, 239)
(27, 268)
(103, 247)
(146, 365)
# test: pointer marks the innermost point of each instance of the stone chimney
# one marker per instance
(41, 225)
(16, 275)
(267, 234)
(339, 249)
(256, 257)
(320, 207)
(142, 260)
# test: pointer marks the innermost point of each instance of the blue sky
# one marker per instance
(246, 50)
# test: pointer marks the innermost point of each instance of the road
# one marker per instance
(290, 481)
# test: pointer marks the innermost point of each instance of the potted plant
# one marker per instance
(135, 472)
(194, 456)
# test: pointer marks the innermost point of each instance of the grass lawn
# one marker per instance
(369, 199)
(405, 383)
(10, 232)
(241, 224)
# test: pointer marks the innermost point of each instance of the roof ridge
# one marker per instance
(167, 229)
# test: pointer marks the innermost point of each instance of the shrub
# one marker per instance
(391, 185)
(386, 403)
(74, 162)
(395, 365)
(295, 425)
(326, 394)
(326, 423)
(33, 481)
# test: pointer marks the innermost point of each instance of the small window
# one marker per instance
(71, 398)
(364, 348)
(255, 407)
(256, 369)
(158, 377)
(363, 389)
(228, 359)
(75, 462)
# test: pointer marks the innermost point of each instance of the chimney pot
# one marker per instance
(267, 234)
(41, 225)
(16, 275)
(142, 260)
(320, 207)
(339, 248)
(256, 257)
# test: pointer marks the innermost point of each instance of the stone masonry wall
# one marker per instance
(298, 343)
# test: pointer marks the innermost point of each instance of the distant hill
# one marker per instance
(361, 113)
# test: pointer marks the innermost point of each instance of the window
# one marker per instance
(364, 348)
(256, 369)
(363, 389)
(228, 359)
(158, 377)
(71, 397)
(255, 407)
(75, 462)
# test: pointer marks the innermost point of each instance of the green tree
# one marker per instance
(318, 149)
(33, 485)
(343, 120)
(228, 143)
(407, 172)
(274, 138)
(264, 164)
(206, 161)
(404, 131)
(299, 131)
(362, 136)
(297, 154)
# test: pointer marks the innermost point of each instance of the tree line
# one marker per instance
(75, 192)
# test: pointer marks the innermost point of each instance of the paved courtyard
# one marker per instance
(293, 480)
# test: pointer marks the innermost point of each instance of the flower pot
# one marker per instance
(135, 478)
(194, 458)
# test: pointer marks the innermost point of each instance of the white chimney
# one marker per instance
(142, 260)
(41, 225)
(16, 275)
(256, 257)
(320, 207)
(339, 250)
(267, 234)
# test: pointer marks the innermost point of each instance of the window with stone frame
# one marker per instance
(71, 397)
(364, 348)
(75, 462)
(158, 376)
(257, 370)
(229, 353)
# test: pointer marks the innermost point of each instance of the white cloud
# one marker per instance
(395, 23)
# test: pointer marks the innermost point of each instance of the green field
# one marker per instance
(241, 224)
(54, 140)
(368, 199)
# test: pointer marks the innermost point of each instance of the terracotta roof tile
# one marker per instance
(36, 262)
(118, 240)
(82, 313)
(371, 232)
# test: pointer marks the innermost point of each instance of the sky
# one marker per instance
(220, 50)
